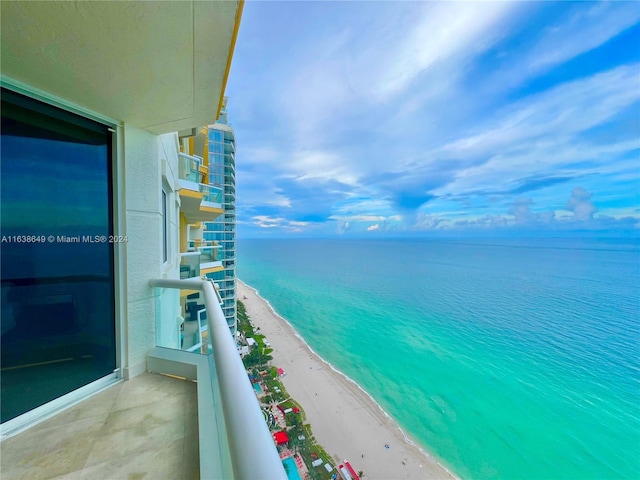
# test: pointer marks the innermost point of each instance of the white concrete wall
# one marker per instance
(150, 162)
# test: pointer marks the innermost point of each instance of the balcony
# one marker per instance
(192, 415)
(210, 260)
(234, 440)
(189, 168)
(199, 201)
(190, 265)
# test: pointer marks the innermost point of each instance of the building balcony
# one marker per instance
(211, 195)
(202, 258)
(193, 414)
(210, 260)
(190, 265)
(189, 167)
(199, 202)
(234, 440)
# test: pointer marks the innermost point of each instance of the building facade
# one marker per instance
(221, 146)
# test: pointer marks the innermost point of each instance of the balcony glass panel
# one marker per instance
(189, 265)
(210, 193)
(188, 168)
(181, 321)
(209, 254)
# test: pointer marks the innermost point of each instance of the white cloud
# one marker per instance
(321, 164)
(360, 218)
(265, 221)
(373, 228)
(581, 205)
(425, 221)
(542, 132)
(584, 30)
(567, 109)
(343, 227)
(434, 33)
(377, 53)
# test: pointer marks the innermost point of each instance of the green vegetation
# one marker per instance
(256, 357)
(292, 419)
(244, 325)
(257, 363)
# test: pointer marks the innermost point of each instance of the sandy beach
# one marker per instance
(344, 419)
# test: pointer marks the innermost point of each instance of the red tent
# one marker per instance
(280, 372)
(296, 410)
(281, 437)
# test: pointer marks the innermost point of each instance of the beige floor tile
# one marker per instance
(157, 464)
(191, 456)
(50, 452)
(144, 428)
(149, 387)
(140, 428)
(68, 476)
(99, 406)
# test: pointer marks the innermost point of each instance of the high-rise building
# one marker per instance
(103, 281)
(222, 173)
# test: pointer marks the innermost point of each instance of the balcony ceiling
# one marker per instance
(160, 66)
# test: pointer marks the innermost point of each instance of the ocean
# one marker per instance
(503, 358)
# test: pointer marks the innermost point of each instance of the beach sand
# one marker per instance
(345, 420)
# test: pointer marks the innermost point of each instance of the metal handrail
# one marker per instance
(253, 453)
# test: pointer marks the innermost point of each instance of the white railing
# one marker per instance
(252, 450)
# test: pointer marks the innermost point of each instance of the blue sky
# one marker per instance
(419, 118)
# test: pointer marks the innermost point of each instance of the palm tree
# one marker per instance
(360, 473)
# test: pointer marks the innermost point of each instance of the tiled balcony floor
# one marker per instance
(145, 428)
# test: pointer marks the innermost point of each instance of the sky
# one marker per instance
(372, 119)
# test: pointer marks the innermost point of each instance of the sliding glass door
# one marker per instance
(57, 268)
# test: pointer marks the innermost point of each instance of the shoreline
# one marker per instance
(345, 418)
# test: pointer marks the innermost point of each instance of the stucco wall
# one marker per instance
(149, 163)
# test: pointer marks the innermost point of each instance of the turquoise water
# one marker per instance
(292, 470)
(257, 387)
(505, 359)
